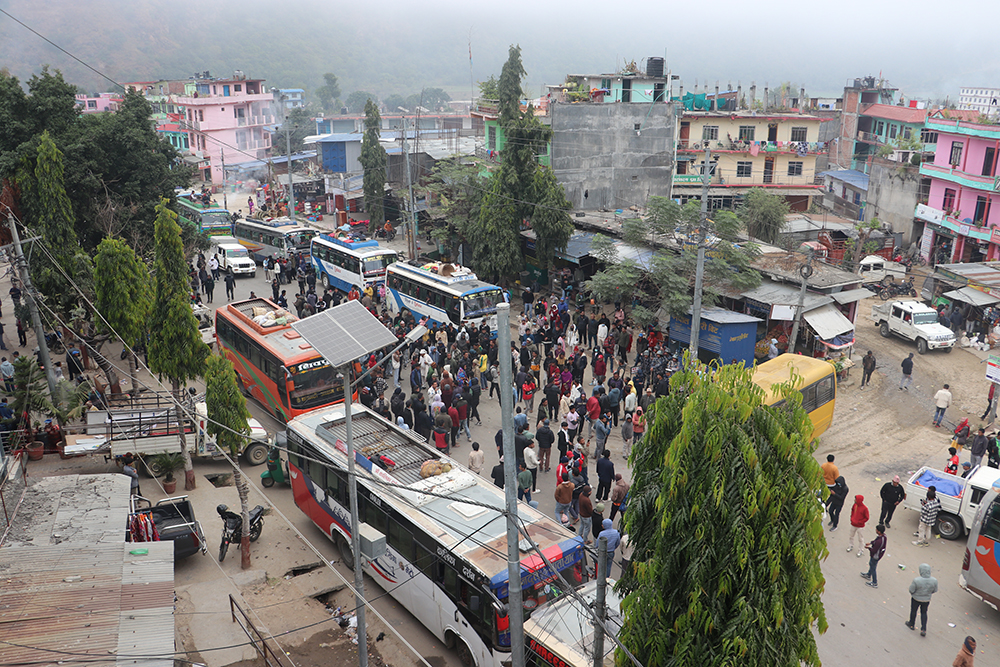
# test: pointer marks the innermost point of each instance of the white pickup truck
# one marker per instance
(234, 258)
(914, 321)
(959, 497)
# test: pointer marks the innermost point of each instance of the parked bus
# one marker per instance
(560, 633)
(343, 264)
(818, 385)
(445, 559)
(207, 220)
(280, 237)
(273, 363)
(981, 567)
(443, 293)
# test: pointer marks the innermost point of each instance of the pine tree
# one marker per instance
(175, 346)
(228, 415)
(373, 161)
(727, 527)
(123, 292)
(550, 220)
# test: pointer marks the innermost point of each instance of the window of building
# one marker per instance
(491, 137)
(893, 130)
(201, 115)
(747, 132)
(91, 104)
(956, 153)
(744, 169)
(795, 168)
(606, 84)
(800, 133)
(238, 87)
(710, 133)
(928, 137)
(907, 132)
(948, 203)
(982, 209)
(879, 128)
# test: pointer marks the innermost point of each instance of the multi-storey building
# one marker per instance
(984, 100)
(98, 103)
(961, 219)
(772, 150)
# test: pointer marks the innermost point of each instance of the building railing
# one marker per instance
(785, 147)
(870, 137)
(484, 153)
(486, 108)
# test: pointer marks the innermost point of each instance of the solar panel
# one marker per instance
(344, 333)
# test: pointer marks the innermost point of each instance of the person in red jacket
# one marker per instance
(455, 422)
(593, 414)
(859, 517)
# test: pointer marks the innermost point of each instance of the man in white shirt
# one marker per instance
(942, 399)
(476, 459)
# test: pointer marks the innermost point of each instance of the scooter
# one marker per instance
(232, 527)
(276, 470)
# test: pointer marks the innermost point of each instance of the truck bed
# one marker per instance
(175, 521)
(950, 489)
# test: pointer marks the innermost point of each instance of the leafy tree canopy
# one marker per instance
(763, 214)
(329, 93)
(123, 291)
(300, 125)
(227, 408)
(459, 189)
(727, 529)
(358, 100)
(666, 280)
(489, 89)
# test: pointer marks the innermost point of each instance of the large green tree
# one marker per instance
(329, 93)
(669, 235)
(550, 218)
(176, 349)
(357, 102)
(373, 161)
(459, 189)
(727, 529)
(763, 214)
(227, 421)
(123, 296)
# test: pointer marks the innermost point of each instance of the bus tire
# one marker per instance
(346, 555)
(243, 387)
(326, 281)
(950, 527)
(464, 653)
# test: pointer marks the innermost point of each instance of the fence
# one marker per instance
(273, 656)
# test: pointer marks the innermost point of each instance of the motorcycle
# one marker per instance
(232, 527)
(380, 233)
(893, 289)
(276, 471)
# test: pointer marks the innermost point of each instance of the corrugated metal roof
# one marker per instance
(723, 316)
(828, 322)
(71, 598)
(785, 295)
(893, 112)
(973, 296)
(785, 266)
(852, 295)
(852, 177)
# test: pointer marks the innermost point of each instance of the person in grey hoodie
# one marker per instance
(921, 589)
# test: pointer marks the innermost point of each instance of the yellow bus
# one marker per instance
(818, 386)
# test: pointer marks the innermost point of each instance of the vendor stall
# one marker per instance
(724, 334)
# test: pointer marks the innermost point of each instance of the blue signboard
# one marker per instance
(729, 335)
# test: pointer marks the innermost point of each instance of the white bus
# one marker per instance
(445, 559)
(443, 293)
(279, 237)
(981, 568)
(342, 264)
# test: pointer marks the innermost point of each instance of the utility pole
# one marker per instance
(599, 603)
(225, 198)
(352, 488)
(805, 271)
(413, 209)
(699, 274)
(515, 606)
(288, 152)
(29, 297)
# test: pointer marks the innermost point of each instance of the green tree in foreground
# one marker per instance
(124, 296)
(727, 528)
(373, 160)
(228, 415)
(175, 346)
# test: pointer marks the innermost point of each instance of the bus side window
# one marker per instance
(809, 398)
(400, 540)
(423, 560)
(991, 524)
(316, 471)
(824, 391)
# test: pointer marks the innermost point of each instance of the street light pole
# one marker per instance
(805, 271)
(352, 486)
(288, 150)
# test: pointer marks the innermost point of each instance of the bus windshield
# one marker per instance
(316, 383)
(376, 265)
(215, 219)
(481, 303)
(301, 239)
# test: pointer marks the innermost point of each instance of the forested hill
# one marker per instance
(291, 44)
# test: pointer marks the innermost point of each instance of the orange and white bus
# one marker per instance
(273, 363)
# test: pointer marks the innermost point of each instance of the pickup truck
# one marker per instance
(875, 269)
(174, 520)
(960, 497)
(914, 321)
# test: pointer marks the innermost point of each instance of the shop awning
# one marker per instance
(786, 295)
(851, 295)
(973, 296)
(828, 322)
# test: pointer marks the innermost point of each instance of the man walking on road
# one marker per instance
(892, 494)
(929, 508)
(978, 449)
(942, 399)
(838, 494)
(867, 367)
(876, 549)
(921, 589)
(907, 367)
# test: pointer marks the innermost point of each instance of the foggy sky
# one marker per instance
(927, 50)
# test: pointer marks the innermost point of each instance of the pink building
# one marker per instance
(225, 120)
(99, 103)
(962, 214)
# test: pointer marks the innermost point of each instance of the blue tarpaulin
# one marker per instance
(942, 482)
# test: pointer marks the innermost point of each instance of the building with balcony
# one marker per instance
(776, 151)
(858, 93)
(888, 126)
(983, 100)
(961, 220)
(293, 98)
(98, 103)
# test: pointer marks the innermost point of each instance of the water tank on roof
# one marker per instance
(654, 67)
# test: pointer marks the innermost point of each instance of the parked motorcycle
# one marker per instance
(232, 527)
(894, 289)
(276, 470)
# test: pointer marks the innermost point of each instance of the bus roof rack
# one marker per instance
(244, 310)
(350, 243)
